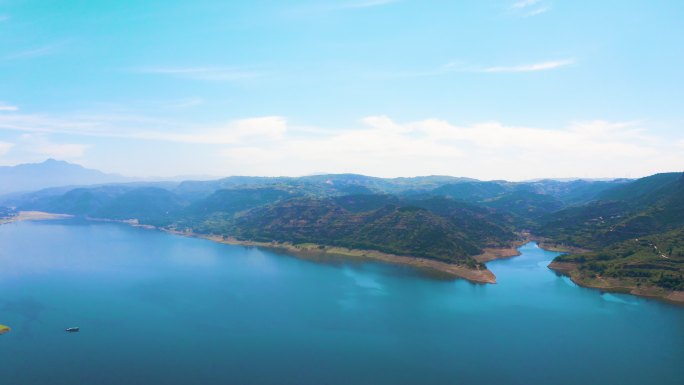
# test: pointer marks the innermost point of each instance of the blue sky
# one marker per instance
(509, 89)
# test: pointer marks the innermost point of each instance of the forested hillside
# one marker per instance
(442, 218)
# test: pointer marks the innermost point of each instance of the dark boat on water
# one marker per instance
(72, 330)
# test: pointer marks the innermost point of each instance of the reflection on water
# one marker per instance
(363, 280)
(27, 309)
(614, 298)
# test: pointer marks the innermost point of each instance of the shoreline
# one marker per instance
(495, 253)
(33, 216)
(569, 270)
(312, 250)
(549, 245)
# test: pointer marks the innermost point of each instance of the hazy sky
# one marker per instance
(509, 89)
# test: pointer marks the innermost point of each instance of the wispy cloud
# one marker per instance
(40, 144)
(186, 103)
(366, 3)
(7, 107)
(541, 66)
(323, 8)
(35, 52)
(266, 128)
(461, 67)
(524, 3)
(97, 125)
(201, 73)
(537, 11)
(529, 8)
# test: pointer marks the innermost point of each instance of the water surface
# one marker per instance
(155, 308)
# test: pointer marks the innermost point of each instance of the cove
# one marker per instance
(159, 308)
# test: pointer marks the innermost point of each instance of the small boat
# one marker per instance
(72, 330)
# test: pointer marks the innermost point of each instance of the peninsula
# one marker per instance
(32, 216)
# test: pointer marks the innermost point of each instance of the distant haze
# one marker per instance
(51, 173)
(57, 173)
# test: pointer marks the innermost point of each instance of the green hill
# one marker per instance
(232, 201)
(647, 206)
(656, 260)
(149, 205)
(641, 191)
(441, 218)
(636, 233)
(152, 205)
(402, 230)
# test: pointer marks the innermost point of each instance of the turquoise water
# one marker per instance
(161, 309)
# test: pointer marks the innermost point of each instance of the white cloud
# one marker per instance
(5, 147)
(541, 66)
(267, 128)
(378, 145)
(380, 149)
(40, 144)
(61, 150)
(384, 124)
(485, 150)
(202, 73)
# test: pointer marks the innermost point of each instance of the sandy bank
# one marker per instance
(33, 216)
(492, 254)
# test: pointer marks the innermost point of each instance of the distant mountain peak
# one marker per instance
(56, 161)
(51, 173)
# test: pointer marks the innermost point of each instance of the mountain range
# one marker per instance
(625, 234)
